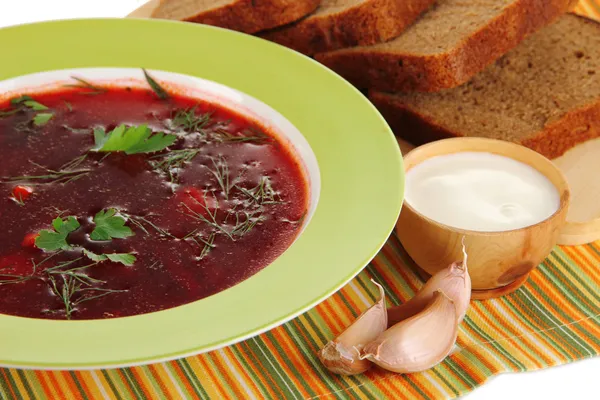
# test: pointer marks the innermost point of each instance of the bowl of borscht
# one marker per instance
(156, 202)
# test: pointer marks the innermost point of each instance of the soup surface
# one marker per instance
(122, 201)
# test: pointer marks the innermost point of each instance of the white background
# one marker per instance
(575, 381)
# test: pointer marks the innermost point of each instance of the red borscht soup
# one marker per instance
(121, 201)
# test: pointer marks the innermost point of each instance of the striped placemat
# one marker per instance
(553, 319)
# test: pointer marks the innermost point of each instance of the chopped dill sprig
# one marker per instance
(65, 174)
(246, 224)
(211, 220)
(221, 173)
(297, 222)
(173, 161)
(82, 83)
(250, 135)
(263, 193)
(206, 244)
(77, 130)
(7, 279)
(188, 121)
(158, 90)
(244, 221)
(71, 286)
(12, 278)
(139, 221)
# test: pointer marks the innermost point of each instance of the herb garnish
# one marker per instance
(42, 118)
(131, 140)
(8, 279)
(139, 221)
(110, 226)
(245, 221)
(263, 193)
(188, 121)
(69, 283)
(34, 105)
(76, 130)
(207, 244)
(77, 284)
(172, 161)
(250, 135)
(65, 174)
(8, 113)
(25, 102)
(82, 83)
(221, 172)
(57, 239)
(160, 92)
(297, 222)
(126, 259)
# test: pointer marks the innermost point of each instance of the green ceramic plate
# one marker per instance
(361, 187)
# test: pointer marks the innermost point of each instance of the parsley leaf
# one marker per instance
(110, 226)
(34, 105)
(20, 99)
(54, 240)
(42, 118)
(131, 140)
(126, 259)
(93, 256)
(123, 258)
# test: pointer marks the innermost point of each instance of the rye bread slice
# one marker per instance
(544, 94)
(446, 46)
(337, 24)
(248, 16)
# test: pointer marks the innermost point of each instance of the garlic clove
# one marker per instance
(418, 343)
(342, 355)
(454, 281)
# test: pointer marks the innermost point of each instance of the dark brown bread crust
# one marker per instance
(251, 16)
(390, 71)
(552, 141)
(370, 22)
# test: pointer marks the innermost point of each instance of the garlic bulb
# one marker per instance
(417, 343)
(454, 281)
(342, 355)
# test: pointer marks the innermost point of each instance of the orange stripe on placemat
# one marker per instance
(538, 322)
(563, 303)
(513, 331)
(47, 386)
(301, 364)
(5, 373)
(482, 315)
(85, 387)
(181, 375)
(575, 289)
(282, 364)
(238, 365)
(520, 331)
(64, 382)
(268, 381)
(589, 262)
(210, 374)
(160, 373)
(330, 316)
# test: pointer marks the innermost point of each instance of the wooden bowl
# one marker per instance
(499, 262)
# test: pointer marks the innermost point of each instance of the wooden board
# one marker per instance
(581, 166)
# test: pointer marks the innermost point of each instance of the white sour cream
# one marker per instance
(480, 191)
